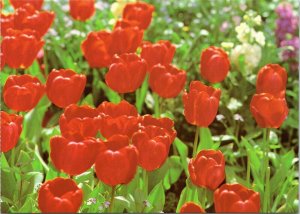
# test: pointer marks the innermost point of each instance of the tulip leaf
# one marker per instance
(182, 199)
(156, 199)
(141, 95)
(183, 152)
(111, 95)
(174, 172)
(206, 141)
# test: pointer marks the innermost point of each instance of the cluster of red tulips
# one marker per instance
(114, 138)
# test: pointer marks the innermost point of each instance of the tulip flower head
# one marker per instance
(235, 198)
(191, 207)
(65, 87)
(11, 128)
(201, 104)
(22, 92)
(60, 195)
(207, 169)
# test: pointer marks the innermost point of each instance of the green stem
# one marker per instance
(248, 171)
(266, 170)
(145, 178)
(196, 141)
(37, 154)
(112, 198)
(156, 105)
(12, 157)
(266, 204)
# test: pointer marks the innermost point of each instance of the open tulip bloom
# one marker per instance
(132, 106)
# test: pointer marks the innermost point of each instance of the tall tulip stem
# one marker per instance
(113, 190)
(145, 178)
(266, 170)
(156, 105)
(248, 171)
(196, 141)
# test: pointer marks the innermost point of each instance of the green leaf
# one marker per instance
(206, 141)
(183, 152)
(88, 100)
(141, 95)
(32, 124)
(182, 199)
(112, 96)
(174, 172)
(156, 198)
(27, 206)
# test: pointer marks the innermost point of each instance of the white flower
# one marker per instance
(227, 45)
(251, 53)
(257, 20)
(243, 31)
(259, 38)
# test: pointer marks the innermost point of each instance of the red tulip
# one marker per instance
(165, 123)
(20, 48)
(139, 12)
(207, 169)
(214, 64)
(27, 17)
(96, 49)
(271, 79)
(37, 4)
(119, 118)
(6, 21)
(201, 104)
(166, 80)
(22, 93)
(126, 73)
(117, 164)
(235, 198)
(82, 9)
(153, 144)
(65, 87)
(191, 207)
(74, 157)
(161, 52)
(11, 128)
(269, 111)
(126, 38)
(78, 122)
(60, 195)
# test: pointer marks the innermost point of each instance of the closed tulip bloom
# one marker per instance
(82, 10)
(214, 64)
(207, 169)
(126, 38)
(139, 12)
(60, 195)
(6, 21)
(161, 52)
(65, 87)
(11, 128)
(201, 104)
(23, 92)
(37, 4)
(166, 80)
(271, 79)
(20, 48)
(121, 118)
(235, 198)
(165, 123)
(126, 73)
(117, 163)
(95, 49)
(74, 157)
(191, 207)
(153, 144)
(269, 111)
(78, 122)
(27, 17)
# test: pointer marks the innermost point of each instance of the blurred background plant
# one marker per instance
(254, 33)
